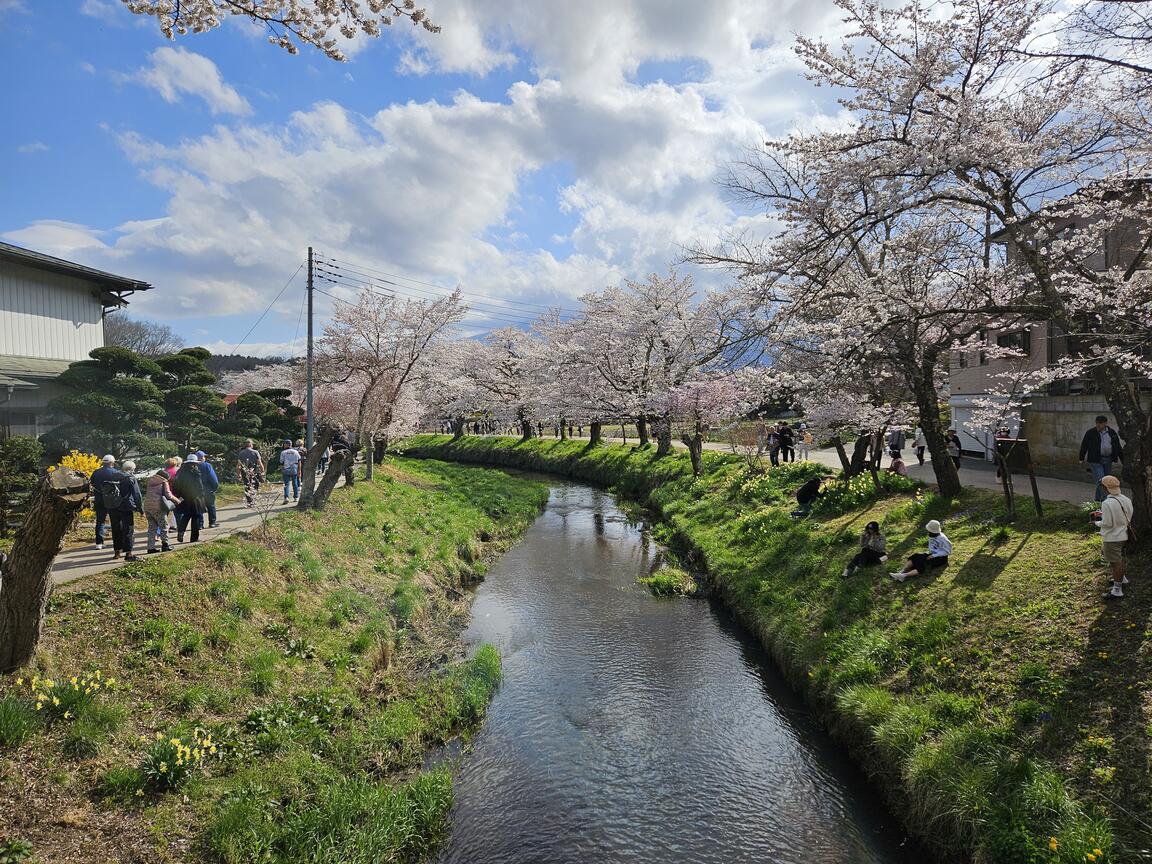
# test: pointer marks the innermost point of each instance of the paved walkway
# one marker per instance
(77, 563)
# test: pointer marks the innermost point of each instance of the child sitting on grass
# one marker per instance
(871, 549)
(939, 548)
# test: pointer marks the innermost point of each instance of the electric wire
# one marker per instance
(236, 350)
(340, 263)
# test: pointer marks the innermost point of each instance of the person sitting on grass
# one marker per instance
(898, 466)
(806, 496)
(871, 549)
(939, 548)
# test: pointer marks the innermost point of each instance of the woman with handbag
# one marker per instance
(159, 502)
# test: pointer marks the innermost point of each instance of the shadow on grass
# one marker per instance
(1108, 698)
(983, 567)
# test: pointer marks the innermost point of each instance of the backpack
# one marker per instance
(110, 492)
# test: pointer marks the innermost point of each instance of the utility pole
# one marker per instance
(309, 428)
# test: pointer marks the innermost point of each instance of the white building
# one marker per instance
(51, 314)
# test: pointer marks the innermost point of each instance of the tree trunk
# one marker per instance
(642, 430)
(695, 445)
(1006, 485)
(563, 429)
(947, 477)
(1134, 425)
(526, 430)
(337, 465)
(308, 478)
(663, 437)
(594, 432)
(27, 570)
(457, 429)
(845, 465)
(380, 449)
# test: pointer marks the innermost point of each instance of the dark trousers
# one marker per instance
(101, 515)
(123, 530)
(774, 455)
(210, 503)
(865, 558)
(788, 453)
(920, 454)
(921, 563)
(188, 514)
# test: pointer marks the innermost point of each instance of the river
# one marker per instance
(635, 729)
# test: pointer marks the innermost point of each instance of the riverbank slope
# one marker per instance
(267, 697)
(1002, 709)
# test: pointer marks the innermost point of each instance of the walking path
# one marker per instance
(233, 518)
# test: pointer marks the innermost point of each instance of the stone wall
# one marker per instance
(1054, 426)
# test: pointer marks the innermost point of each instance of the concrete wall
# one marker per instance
(1054, 426)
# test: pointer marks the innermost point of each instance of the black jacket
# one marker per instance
(810, 491)
(189, 485)
(1090, 445)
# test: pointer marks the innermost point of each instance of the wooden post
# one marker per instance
(1035, 489)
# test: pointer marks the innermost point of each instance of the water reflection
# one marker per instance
(631, 729)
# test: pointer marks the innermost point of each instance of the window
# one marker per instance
(1021, 340)
(983, 360)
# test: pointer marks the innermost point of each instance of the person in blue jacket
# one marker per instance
(211, 484)
(105, 473)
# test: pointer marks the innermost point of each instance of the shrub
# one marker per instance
(169, 762)
(67, 700)
(15, 851)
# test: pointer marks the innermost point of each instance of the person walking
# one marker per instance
(189, 487)
(772, 440)
(1099, 448)
(804, 445)
(250, 470)
(918, 444)
(1114, 519)
(939, 548)
(787, 443)
(952, 445)
(290, 470)
(871, 552)
(211, 484)
(122, 506)
(159, 501)
(895, 441)
(106, 473)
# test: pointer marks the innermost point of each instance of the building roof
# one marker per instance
(113, 288)
(28, 372)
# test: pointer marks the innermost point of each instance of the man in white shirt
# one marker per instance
(1113, 518)
(290, 466)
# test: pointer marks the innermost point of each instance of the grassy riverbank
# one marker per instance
(1005, 712)
(267, 697)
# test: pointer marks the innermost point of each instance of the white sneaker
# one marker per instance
(845, 573)
(883, 558)
(99, 545)
(1125, 581)
(899, 575)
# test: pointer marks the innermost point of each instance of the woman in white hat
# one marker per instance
(939, 548)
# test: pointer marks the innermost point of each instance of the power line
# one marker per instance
(360, 268)
(268, 309)
(465, 321)
(511, 316)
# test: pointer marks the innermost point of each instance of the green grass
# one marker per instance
(977, 697)
(669, 582)
(314, 661)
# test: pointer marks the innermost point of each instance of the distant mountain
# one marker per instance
(219, 364)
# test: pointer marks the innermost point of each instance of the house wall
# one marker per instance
(1054, 426)
(25, 411)
(971, 377)
(47, 315)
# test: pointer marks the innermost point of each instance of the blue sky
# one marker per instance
(528, 152)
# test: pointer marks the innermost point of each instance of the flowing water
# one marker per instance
(634, 729)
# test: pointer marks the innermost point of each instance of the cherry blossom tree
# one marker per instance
(504, 370)
(378, 346)
(694, 406)
(288, 22)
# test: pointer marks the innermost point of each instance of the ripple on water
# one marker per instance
(632, 729)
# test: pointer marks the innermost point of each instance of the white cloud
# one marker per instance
(177, 71)
(103, 10)
(32, 147)
(436, 190)
(62, 239)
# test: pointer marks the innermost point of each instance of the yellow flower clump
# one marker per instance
(85, 463)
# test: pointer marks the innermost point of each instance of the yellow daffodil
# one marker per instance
(139, 793)
(1053, 843)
